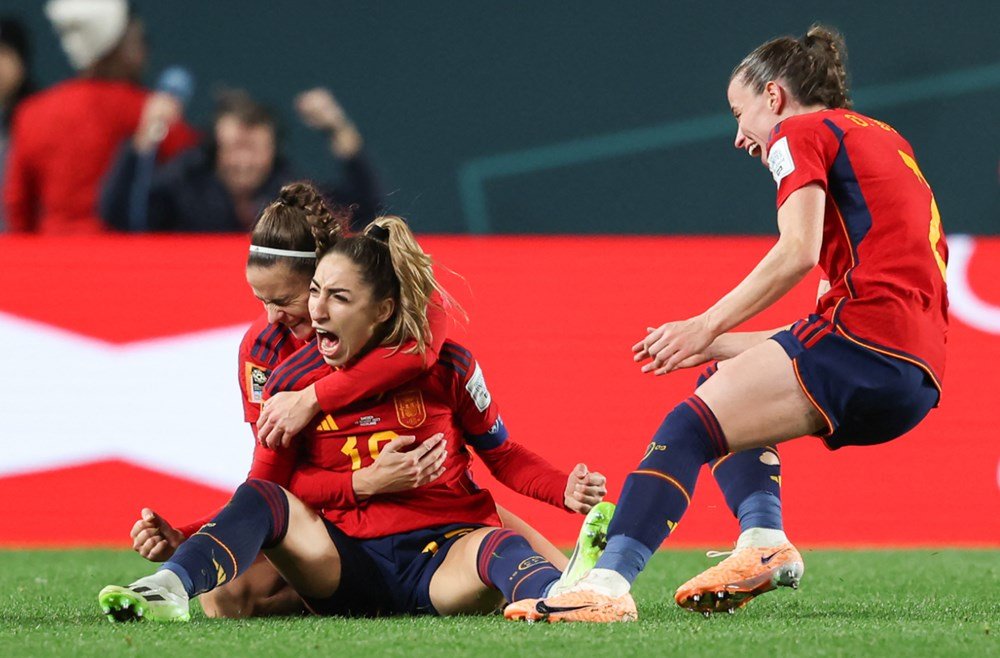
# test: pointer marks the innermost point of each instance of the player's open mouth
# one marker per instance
(327, 342)
(754, 150)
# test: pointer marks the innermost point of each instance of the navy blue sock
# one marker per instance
(507, 562)
(657, 493)
(751, 483)
(255, 518)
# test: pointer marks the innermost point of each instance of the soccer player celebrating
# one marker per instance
(280, 265)
(865, 368)
(403, 527)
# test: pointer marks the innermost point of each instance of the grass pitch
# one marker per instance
(852, 603)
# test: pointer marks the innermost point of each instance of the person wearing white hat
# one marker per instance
(88, 29)
(64, 138)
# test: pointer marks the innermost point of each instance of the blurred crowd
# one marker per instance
(100, 152)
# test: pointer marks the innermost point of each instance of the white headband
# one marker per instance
(268, 251)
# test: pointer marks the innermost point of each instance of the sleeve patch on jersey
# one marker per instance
(256, 379)
(477, 390)
(779, 160)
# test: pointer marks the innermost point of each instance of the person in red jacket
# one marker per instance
(64, 138)
(279, 267)
(428, 542)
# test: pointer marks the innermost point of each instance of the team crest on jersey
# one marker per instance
(477, 390)
(410, 408)
(256, 379)
(779, 160)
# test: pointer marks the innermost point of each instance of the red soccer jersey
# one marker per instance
(883, 249)
(451, 398)
(62, 142)
(264, 346)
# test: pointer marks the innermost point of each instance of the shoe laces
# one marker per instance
(715, 554)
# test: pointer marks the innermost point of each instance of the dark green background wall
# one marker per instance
(589, 117)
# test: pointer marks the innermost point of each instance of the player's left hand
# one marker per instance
(154, 538)
(674, 345)
(284, 415)
(584, 489)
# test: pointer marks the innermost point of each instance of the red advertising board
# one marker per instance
(120, 391)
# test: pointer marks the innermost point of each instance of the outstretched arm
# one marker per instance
(521, 470)
(800, 221)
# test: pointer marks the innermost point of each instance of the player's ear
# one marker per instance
(777, 96)
(385, 309)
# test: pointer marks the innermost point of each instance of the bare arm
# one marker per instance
(800, 222)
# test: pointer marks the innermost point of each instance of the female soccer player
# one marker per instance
(865, 368)
(280, 265)
(433, 548)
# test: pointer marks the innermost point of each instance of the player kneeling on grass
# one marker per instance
(433, 549)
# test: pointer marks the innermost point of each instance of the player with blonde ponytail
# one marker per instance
(372, 509)
(280, 264)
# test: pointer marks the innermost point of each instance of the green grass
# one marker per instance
(852, 603)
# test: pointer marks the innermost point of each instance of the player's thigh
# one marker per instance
(537, 540)
(758, 400)
(306, 558)
(455, 587)
(259, 592)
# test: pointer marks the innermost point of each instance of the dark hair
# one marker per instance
(239, 104)
(813, 67)
(393, 264)
(13, 35)
(288, 222)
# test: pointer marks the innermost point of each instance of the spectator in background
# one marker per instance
(64, 138)
(15, 81)
(223, 185)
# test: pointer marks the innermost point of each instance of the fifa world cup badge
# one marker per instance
(256, 377)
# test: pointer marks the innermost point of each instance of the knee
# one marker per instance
(235, 600)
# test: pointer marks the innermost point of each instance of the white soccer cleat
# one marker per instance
(160, 597)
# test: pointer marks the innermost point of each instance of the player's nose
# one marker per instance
(273, 314)
(317, 311)
(741, 139)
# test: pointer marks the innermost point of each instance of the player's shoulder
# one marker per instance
(455, 361)
(263, 341)
(458, 367)
(301, 369)
(824, 124)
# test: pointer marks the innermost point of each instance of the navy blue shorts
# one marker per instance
(865, 397)
(388, 575)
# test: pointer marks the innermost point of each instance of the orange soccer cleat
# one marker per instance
(746, 573)
(578, 605)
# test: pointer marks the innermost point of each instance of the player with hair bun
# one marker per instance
(401, 527)
(863, 369)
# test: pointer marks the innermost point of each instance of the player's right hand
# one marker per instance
(154, 538)
(398, 468)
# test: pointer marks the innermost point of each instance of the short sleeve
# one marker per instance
(476, 411)
(800, 154)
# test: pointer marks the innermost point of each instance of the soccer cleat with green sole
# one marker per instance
(147, 598)
(589, 546)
